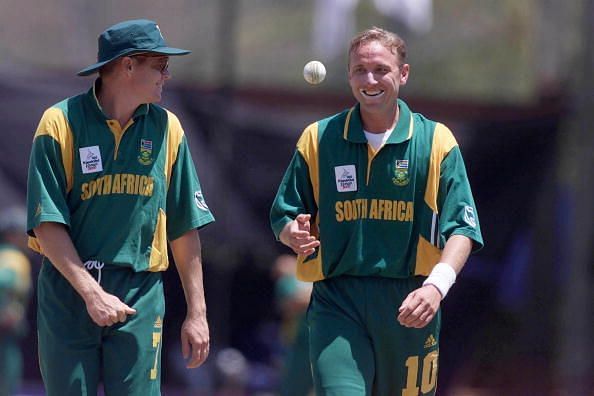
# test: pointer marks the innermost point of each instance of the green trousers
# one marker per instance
(357, 347)
(76, 355)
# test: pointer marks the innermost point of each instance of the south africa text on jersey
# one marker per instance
(377, 209)
(119, 183)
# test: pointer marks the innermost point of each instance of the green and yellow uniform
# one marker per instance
(15, 287)
(382, 218)
(122, 192)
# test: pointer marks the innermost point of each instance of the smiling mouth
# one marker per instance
(372, 93)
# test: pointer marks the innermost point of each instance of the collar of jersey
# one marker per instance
(353, 127)
(91, 94)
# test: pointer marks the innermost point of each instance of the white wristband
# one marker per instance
(442, 277)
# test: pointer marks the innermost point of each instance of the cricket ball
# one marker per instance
(314, 72)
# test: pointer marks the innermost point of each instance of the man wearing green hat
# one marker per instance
(111, 181)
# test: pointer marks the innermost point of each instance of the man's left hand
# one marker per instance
(419, 308)
(195, 341)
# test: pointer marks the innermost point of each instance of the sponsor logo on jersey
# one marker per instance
(469, 217)
(401, 173)
(200, 202)
(90, 159)
(346, 178)
(158, 323)
(146, 152)
(430, 342)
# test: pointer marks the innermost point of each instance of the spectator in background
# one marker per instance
(292, 297)
(15, 289)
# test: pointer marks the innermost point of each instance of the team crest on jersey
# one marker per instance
(401, 173)
(346, 178)
(90, 159)
(146, 152)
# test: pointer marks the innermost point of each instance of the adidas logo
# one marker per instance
(158, 323)
(430, 342)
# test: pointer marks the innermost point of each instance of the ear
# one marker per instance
(127, 64)
(404, 72)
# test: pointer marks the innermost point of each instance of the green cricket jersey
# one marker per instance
(386, 213)
(121, 191)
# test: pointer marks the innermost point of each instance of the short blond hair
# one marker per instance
(390, 40)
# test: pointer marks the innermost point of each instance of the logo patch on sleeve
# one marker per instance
(90, 159)
(469, 216)
(199, 200)
(346, 178)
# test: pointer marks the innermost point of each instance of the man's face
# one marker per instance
(375, 77)
(150, 75)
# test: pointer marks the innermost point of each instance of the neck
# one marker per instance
(380, 122)
(115, 103)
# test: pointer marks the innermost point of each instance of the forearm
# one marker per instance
(454, 256)
(188, 260)
(456, 252)
(59, 249)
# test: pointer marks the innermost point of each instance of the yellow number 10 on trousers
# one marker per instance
(428, 377)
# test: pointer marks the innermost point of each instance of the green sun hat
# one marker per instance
(129, 38)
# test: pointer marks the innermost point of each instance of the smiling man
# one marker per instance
(377, 205)
(111, 182)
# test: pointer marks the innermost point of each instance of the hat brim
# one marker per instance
(171, 51)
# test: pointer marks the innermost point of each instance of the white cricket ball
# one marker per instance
(314, 72)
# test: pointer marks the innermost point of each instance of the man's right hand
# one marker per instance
(106, 309)
(296, 235)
